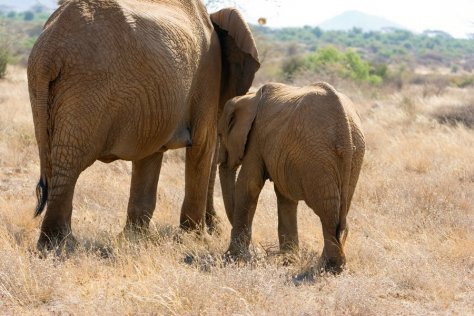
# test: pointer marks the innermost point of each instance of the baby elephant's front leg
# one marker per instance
(248, 187)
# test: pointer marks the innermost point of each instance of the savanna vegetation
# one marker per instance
(18, 33)
(391, 57)
(410, 248)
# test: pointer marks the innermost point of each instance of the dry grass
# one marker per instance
(453, 115)
(410, 249)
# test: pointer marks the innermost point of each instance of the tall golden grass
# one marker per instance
(410, 248)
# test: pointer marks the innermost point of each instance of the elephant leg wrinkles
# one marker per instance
(287, 223)
(212, 221)
(56, 226)
(142, 202)
(327, 208)
(65, 169)
(197, 174)
(248, 187)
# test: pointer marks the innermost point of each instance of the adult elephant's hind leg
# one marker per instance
(198, 169)
(56, 225)
(68, 160)
(327, 208)
(142, 202)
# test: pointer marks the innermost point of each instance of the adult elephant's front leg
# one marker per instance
(212, 221)
(198, 169)
(142, 202)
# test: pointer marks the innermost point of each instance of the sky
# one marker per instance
(454, 16)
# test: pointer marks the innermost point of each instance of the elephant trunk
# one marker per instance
(227, 178)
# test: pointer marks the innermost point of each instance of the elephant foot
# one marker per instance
(331, 265)
(189, 225)
(334, 265)
(289, 248)
(288, 258)
(213, 224)
(237, 254)
(59, 243)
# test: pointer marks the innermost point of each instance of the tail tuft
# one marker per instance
(41, 195)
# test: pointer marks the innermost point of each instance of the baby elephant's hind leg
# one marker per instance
(287, 223)
(333, 257)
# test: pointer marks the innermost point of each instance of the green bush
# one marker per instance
(329, 59)
(356, 68)
(325, 56)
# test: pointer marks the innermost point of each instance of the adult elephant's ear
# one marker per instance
(239, 53)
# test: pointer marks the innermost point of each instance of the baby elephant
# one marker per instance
(309, 142)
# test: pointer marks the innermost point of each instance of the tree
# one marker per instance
(28, 16)
(317, 31)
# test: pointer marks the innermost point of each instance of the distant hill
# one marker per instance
(23, 5)
(350, 19)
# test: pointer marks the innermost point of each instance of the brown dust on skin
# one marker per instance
(409, 250)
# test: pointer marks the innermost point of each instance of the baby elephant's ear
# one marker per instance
(240, 116)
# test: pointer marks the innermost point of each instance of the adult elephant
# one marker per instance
(130, 79)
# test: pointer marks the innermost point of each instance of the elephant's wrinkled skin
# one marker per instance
(130, 79)
(309, 142)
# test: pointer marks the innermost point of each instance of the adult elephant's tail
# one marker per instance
(40, 77)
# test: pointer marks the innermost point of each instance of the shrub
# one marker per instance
(3, 62)
(463, 81)
(396, 77)
(291, 66)
(454, 115)
(348, 65)
(433, 84)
